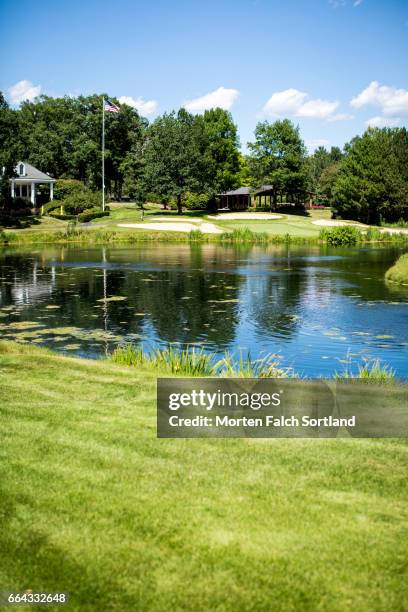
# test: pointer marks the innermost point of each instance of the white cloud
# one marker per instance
(221, 97)
(23, 90)
(294, 102)
(318, 142)
(381, 122)
(317, 108)
(357, 2)
(336, 3)
(285, 102)
(341, 117)
(393, 102)
(145, 107)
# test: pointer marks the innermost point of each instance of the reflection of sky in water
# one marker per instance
(316, 309)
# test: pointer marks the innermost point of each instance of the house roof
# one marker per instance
(32, 173)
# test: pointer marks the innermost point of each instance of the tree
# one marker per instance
(62, 136)
(317, 163)
(221, 150)
(174, 160)
(373, 178)
(8, 149)
(327, 181)
(278, 157)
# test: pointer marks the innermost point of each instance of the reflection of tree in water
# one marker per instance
(272, 301)
(183, 293)
(187, 307)
(360, 272)
(189, 293)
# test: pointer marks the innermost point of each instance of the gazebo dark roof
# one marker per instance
(239, 191)
(264, 190)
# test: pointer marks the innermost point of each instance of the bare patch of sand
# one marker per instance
(334, 223)
(394, 230)
(178, 226)
(174, 219)
(243, 215)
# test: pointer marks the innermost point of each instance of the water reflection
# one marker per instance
(312, 306)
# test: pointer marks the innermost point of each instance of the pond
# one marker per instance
(317, 308)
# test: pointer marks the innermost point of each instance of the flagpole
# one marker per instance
(103, 154)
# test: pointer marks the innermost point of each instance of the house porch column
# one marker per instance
(13, 189)
(51, 191)
(33, 193)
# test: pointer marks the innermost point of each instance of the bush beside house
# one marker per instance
(73, 199)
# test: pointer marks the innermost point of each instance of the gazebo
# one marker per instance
(237, 199)
(266, 192)
(28, 177)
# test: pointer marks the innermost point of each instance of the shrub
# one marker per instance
(82, 200)
(50, 206)
(345, 235)
(93, 213)
(67, 187)
(196, 201)
(64, 217)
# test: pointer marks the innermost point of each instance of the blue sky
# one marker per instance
(329, 65)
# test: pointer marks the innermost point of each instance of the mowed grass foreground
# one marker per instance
(92, 503)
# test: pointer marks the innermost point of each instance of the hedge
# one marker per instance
(88, 215)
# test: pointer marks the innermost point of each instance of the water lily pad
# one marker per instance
(222, 301)
(113, 298)
(25, 324)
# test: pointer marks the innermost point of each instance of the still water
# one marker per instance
(317, 308)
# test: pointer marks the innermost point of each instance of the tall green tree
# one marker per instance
(175, 156)
(221, 145)
(318, 164)
(278, 157)
(373, 179)
(8, 148)
(63, 136)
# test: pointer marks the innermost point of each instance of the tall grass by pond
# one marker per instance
(195, 362)
(336, 236)
(191, 361)
(374, 371)
(398, 273)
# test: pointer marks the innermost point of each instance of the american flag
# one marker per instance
(110, 107)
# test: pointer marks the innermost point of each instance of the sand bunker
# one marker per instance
(394, 230)
(333, 223)
(173, 218)
(243, 215)
(177, 226)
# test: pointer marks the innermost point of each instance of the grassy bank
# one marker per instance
(285, 229)
(333, 237)
(398, 273)
(93, 504)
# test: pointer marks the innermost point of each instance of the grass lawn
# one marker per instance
(295, 225)
(94, 504)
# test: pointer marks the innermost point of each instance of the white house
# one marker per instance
(28, 177)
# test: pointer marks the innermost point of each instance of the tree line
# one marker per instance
(188, 159)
